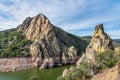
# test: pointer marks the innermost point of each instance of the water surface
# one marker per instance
(49, 74)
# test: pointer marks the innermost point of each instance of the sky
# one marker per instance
(75, 16)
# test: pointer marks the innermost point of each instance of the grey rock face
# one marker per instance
(35, 52)
(47, 63)
(99, 43)
(25, 24)
(49, 41)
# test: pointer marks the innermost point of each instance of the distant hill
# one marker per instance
(86, 38)
(116, 42)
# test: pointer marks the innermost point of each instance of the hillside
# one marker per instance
(98, 57)
(13, 44)
(107, 74)
(117, 40)
(38, 38)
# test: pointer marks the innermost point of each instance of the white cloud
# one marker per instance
(61, 12)
(56, 10)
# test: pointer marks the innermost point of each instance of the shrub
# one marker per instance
(16, 47)
(81, 73)
(106, 59)
(60, 78)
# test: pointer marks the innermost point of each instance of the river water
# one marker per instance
(48, 74)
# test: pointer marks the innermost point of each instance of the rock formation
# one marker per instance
(47, 63)
(65, 72)
(49, 41)
(99, 43)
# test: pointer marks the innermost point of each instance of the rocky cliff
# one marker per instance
(99, 43)
(88, 64)
(50, 41)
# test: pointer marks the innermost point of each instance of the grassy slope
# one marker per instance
(79, 41)
(13, 44)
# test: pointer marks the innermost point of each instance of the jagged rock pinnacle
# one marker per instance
(98, 30)
(49, 41)
(100, 42)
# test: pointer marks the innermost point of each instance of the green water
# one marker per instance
(49, 74)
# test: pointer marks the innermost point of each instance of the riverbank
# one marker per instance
(16, 64)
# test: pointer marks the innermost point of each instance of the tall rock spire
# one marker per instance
(99, 43)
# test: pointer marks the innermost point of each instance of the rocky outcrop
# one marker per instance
(25, 24)
(35, 52)
(50, 41)
(65, 72)
(47, 63)
(99, 43)
(72, 52)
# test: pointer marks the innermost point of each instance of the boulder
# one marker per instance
(65, 72)
(47, 63)
(51, 62)
(72, 52)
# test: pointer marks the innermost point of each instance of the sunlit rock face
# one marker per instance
(99, 43)
(48, 40)
(100, 40)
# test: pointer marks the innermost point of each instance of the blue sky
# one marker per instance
(75, 16)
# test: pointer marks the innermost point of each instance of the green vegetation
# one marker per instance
(84, 72)
(77, 38)
(81, 73)
(13, 44)
(107, 59)
(80, 41)
(86, 38)
(104, 60)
